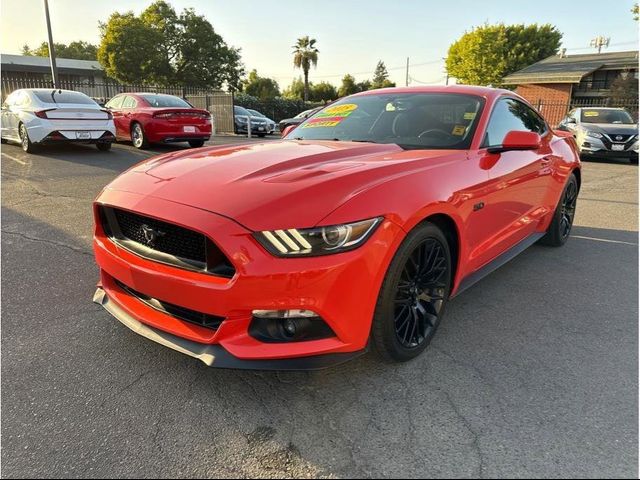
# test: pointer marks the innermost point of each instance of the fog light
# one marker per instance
(284, 314)
(289, 327)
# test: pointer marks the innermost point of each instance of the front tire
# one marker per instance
(196, 143)
(560, 228)
(138, 138)
(413, 296)
(25, 141)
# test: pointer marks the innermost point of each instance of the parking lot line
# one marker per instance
(14, 159)
(604, 240)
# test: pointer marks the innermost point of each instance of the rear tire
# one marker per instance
(196, 143)
(560, 228)
(25, 141)
(262, 135)
(103, 146)
(138, 138)
(413, 295)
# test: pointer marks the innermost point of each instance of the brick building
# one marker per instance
(560, 82)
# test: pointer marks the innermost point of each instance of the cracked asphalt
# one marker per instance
(533, 373)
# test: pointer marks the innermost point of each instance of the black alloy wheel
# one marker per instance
(562, 222)
(413, 296)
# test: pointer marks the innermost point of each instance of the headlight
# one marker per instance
(242, 119)
(593, 134)
(311, 242)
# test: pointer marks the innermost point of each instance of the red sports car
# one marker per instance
(145, 118)
(351, 233)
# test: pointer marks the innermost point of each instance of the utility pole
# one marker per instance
(406, 82)
(52, 50)
(600, 42)
(445, 70)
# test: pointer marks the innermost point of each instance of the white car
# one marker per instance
(38, 116)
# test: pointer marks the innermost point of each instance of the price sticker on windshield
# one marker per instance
(322, 122)
(458, 130)
(339, 110)
(591, 114)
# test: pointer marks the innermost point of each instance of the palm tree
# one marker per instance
(304, 55)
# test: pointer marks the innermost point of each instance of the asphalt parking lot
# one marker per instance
(532, 374)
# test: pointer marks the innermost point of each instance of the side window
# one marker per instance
(115, 102)
(510, 114)
(129, 102)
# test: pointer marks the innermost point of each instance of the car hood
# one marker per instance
(611, 128)
(281, 184)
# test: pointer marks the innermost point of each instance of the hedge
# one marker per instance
(276, 109)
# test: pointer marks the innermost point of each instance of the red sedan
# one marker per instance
(146, 118)
(351, 233)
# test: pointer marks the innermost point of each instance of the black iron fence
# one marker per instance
(219, 103)
(554, 112)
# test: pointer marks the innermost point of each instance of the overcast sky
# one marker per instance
(352, 35)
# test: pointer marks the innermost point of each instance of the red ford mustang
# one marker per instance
(145, 118)
(352, 232)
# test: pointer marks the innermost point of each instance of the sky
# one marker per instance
(352, 35)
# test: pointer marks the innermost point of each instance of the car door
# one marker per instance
(516, 190)
(6, 114)
(128, 110)
(115, 107)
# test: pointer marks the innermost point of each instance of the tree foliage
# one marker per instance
(163, 47)
(295, 91)
(323, 92)
(381, 77)
(624, 88)
(636, 12)
(260, 87)
(78, 50)
(348, 86)
(305, 54)
(486, 54)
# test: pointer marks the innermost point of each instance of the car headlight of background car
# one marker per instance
(317, 241)
(242, 119)
(593, 134)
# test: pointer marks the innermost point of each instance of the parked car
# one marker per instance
(603, 132)
(35, 117)
(146, 118)
(241, 117)
(271, 125)
(298, 119)
(354, 231)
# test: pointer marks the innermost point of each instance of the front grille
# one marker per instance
(181, 313)
(165, 242)
(615, 138)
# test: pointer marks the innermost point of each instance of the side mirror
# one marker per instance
(517, 140)
(571, 120)
(287, 130)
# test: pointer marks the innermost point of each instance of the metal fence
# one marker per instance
(554, 112)
(219, 103)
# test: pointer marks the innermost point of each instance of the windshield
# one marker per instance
(410, 120)
(241, 111)
(255, 113)
(302, 114)
(63, 97)
(163, 101)
(604, 115)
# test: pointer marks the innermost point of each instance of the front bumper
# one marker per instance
(215, 355)
(594, 147)
(342, 289)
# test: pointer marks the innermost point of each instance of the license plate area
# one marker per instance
(189, 129)
(83, 135)
(617, 147)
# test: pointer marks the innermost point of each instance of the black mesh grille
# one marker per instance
(165, 242)
(181, 313)
(171, 239)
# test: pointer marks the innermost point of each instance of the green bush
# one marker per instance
(277, 108)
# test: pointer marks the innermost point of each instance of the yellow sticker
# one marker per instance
(339, 110)
(591, 114)
(458, 130)
(327, 123)
(469, 115)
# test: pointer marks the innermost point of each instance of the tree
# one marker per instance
(261, 87)
(161, 46)
(364, 86)
(381, 77)
(636, 12)
(295, 91)
(348, 86)
(305, 54)
(488, 53)
(624, 88)
(78, 50)
(323, 92)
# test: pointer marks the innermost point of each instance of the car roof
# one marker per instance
(486, 92)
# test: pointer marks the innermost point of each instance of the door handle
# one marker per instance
(546, 161)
